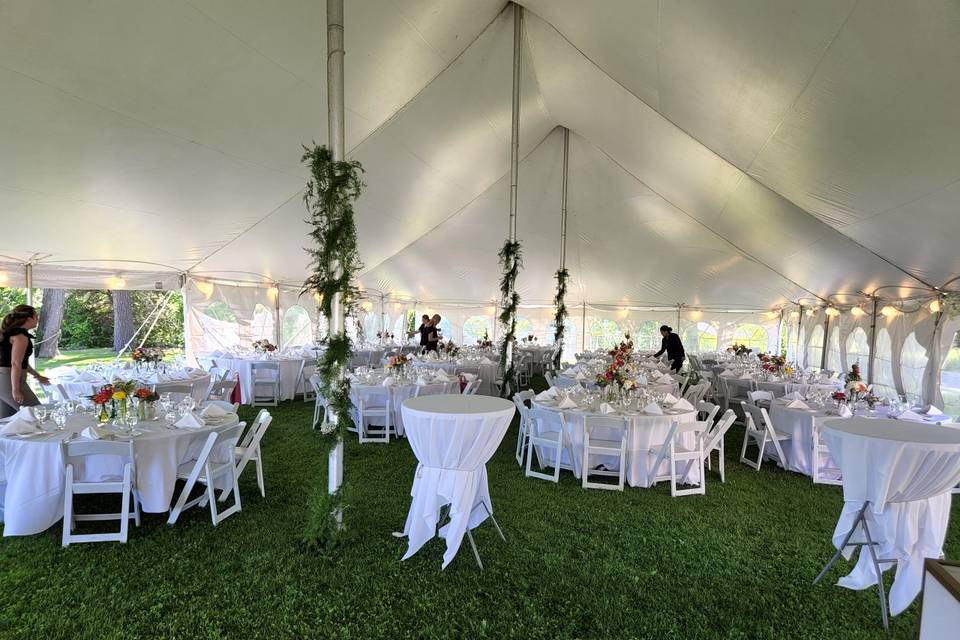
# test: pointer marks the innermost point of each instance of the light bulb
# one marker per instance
(794, 314)
(832, 312)
(935, 306)
(857, 311)
(810, 312)
(888, 311)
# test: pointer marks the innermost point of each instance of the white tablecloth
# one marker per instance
(906, 471)
(646, 436)
(399, 394)
(289, 374)
(453, 437)
(32, 478)
(486, 372)
(79, 384)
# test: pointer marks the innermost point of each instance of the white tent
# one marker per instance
(732, 156)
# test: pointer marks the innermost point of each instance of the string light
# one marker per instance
(206, 288)
(858, 312)
(116, 282)
(810, 312)
(794, 314)
(935, 306)
(3, 278)
(888, 311)
(833, 312)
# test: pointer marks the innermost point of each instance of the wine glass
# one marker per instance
(40, 413)
(60, 418)
(130, 421)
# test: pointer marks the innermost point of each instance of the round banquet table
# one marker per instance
(86, 383)
(32, 469)
(289, 375)
(646, 436)
(486, 371)
(906, 470)
(453, 437)
(400, 392)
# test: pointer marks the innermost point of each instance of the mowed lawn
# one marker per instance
(735, 563)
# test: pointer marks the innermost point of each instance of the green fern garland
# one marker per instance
(560, 317)
(335, 262)
(511, 259)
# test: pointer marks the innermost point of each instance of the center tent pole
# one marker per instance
(335, 138)
(871, 358)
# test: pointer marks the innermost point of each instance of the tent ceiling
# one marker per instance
(727, 152)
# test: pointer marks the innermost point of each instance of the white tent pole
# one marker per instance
(28, 281)
(383, 319)
(779, 332)
(796, 352)
(583, 329)
(826, 342)
(277, 329)
(563, 198)
(872, 355)
(335, 137)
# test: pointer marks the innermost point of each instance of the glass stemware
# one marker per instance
(60, 418)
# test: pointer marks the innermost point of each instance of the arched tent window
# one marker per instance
(446, 329)
(815, 347)
(262, 326)
(950, 378)
(833, 350)
(752, 335)
(399, 329)
(883, 359)
(801, 345)
(297, 328)
(604, 334)
(475, 327)
(219, 310)
(524, 328)
(913, 360)
(371, 324)
(791, 346)
(647, 336)
(700, 338)
(858, 350)
(569, 339)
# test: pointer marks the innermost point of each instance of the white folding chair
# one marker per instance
(472, 387)
(223, 390)
(818, 461)
(548, 431)
(307, 370)
(708, 411)
(319, 402)
(77, 451)
(760, 398)
(673, 449)
(549, 376)
(265, 383)
(523, 433)
(435, 389)
(177, 390)
(217, 374)
(759, 429)
(206, 471)
(232, 407)
(249, 450)
(53, 393)
(696, 393)
(713, 439)
(374, 403)
(602, 444)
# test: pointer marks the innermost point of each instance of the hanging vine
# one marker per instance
(560, 316)
(335, 262)
(511, 259)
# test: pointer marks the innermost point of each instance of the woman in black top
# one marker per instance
(433, 337)
(424, 332)
(16, 347)
(672, 345)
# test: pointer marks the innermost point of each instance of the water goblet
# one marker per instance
(40, 413)
(60, 419)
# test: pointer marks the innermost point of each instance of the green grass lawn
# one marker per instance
(735, 563)
(82, 357)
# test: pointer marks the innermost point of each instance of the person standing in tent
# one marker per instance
(424, 332)
(672, 345)
(433, 340)
(16, 347)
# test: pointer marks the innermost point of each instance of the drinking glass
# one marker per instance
(40, 413)
(60, 419)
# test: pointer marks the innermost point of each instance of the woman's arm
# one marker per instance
(18, 350)
(663, 347)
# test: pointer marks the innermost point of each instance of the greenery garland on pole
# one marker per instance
(511, 259)
(560, 317)
(335, 262)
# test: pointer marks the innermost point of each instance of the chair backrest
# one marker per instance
(710, 409)
(756, 396)
(549, 377)
(222, 390)
(218, 442)
(712, 437)
(55, 392)
(185, 388)
(546, 421)
(756, 417)
(696, 392)
(81, 447)
(255, 433)
(268, 370)
(591, 422)
(372, 396)
(525, 395)
(432, 389)
(217, 374)
(472, 387)
(521, 407)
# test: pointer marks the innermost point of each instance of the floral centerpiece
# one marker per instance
(772, 363)
(738, 349)
(383, 336)
(839, 397)
(450, 349)
(485, 342)
(101, 399)
(397, 362)
(264, 346)
(146, 399)
(623, 350)
(117, 396)
(854, 375)
(617, 373)
(530, 338)
(143, 355)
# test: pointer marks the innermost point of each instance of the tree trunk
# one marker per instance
(122, 318)
(51, 319)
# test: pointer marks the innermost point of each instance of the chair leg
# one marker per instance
(125, 509)
(721, 456)
(263, 491)
(67, 507)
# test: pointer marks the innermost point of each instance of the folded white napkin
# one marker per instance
(214, 411)
(388, 381)
(546, 395)
(669, 399)
(189, 421)
(727, 373)
(683, 405)
(95, 433)
(844, 411)
(605, 408)
(933, 410)
(567, 403)
(745, 376)
(486, 360)
(421, 382)
(22, 422)
(654, 409)
(665, 379)
(441, 376)
(469, 377)
(797, 404)
(580, 376)
(793, 395)
(910, 415)
(641, 380)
